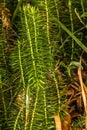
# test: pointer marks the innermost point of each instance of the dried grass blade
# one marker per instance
(58, 122)
(83, 91)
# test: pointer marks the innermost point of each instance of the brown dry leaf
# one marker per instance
(80, 129)
(19, 100)
(75, 114)
(70, 93)
(79, 103)
(67, 122)
(72, 108)
(5, 16)
(58, 122)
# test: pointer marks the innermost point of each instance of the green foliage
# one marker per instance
(30, 82)
(72, 65)
(78, 123)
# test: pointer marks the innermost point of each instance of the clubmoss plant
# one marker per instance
(35, 62)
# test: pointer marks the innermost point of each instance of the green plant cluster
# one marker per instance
(47, 32)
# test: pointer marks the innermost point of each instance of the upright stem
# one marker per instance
(72, 26)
